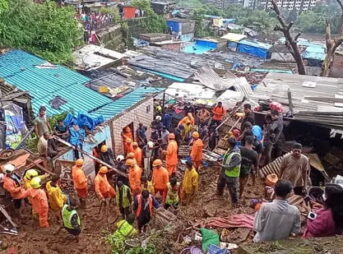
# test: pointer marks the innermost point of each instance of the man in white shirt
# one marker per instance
(277, 220)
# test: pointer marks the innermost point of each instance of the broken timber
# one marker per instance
(90, 155)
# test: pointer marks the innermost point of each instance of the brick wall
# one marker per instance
(141, 113)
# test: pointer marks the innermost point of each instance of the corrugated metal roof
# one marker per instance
(124, 103)
(43, 84)
(256, 44)
(234, 37)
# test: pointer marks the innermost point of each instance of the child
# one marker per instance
(190, 182)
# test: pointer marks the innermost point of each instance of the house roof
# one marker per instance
(256, 44)
(316, 52)
(44, 82)
(234, 37)
(123, 104)
(92, 57)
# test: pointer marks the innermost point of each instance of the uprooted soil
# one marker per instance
(96, 226)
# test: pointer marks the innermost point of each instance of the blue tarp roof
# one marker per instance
(20, 69)
(256, 44)
(120, 105)
(316, 52)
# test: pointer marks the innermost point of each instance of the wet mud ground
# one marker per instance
(97, 225)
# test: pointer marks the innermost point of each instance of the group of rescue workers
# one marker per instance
(148, 174)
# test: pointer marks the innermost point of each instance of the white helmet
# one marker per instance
(150, 144)
(158, 118)
(120, 157)
(9, 168)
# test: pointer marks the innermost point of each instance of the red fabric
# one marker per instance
(234, 221)
(322, 225)
(129, 12)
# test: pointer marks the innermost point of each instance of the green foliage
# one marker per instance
(3, 5)
(311, 22)
(55, 118)
(113, 11)
(200, 29)
(152, 23)
(44, 29)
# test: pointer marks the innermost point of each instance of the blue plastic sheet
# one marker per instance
(174, 26)
(213, 249)
(83, 120)
(254, 51)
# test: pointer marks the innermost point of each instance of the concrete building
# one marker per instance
(299, 5)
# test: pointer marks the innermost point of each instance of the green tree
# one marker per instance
(153, 23)
(311, 22)
(3, 5)
(44, 29)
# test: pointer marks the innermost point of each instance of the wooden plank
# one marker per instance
(36, 163)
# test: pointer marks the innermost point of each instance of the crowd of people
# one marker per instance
(150, 174)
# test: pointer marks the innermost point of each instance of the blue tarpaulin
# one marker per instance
(316, 52)
(206, 43)
(83, 120)
(258, 49)
(174, 26)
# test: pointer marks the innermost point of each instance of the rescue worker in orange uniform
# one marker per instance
(103, 189)
(196, 151)
(138, 154)
(171, 154)
(127, 139)
(39, 202)
(134, 176)
(131, 156)
(143, 207)
(218, 114)
(80, 181)
(160, 178)
(11, 183)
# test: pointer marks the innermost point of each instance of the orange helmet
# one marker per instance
(195, 134)
(135, 144)
(157, 163)
(130, 155)
(79, 162)
(103, 170)
(171, 136)
(130, 163)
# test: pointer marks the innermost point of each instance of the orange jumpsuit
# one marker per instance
(40, 206)
(196, 152)
(171, 157)
(16, 192)
(103, 189)
(160, 179)
(135, 174)
(138, 156)
(80, 181)
(218, 113)
(127, 135)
